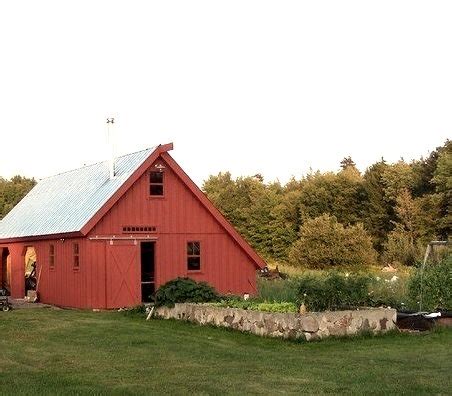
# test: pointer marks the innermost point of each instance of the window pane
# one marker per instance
(52, 249)
(76, 261)
(156, 189)
(75, 248)
(193, 249)
(193, 263)
(196, 249)
(156, 177)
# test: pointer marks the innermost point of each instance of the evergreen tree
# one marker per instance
(443, 184)
(378, 212)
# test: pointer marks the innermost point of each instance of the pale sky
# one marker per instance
(275, 87)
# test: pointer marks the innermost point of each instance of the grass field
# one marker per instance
(73, 352)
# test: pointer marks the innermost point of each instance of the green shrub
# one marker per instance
(324, 243)
(401, 248)
(390, 292)
(333, 291)
(436, 286)
(277, 290)
(184, 290)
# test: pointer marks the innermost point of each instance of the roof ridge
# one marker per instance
(97, 163)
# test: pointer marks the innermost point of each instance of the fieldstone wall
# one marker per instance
(309, 326)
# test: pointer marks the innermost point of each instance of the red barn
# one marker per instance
(107, 235)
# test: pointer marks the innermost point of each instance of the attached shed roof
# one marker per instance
(64, 203)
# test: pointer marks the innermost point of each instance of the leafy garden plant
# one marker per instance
(333, 291)
(253, 305)
(184, 290)
(434, 286)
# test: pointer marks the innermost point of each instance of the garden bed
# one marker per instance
(310, 326)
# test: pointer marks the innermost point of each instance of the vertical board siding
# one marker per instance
(178, 211)
(179, 217)
(63, 285)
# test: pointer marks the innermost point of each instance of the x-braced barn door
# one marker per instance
(123, 275)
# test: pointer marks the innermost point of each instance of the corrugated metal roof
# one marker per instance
(66, 202)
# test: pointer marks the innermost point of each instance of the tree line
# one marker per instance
(12, 191)
(387, 214)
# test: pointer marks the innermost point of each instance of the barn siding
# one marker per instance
(178, 211)
(63, 285)
(179, 217)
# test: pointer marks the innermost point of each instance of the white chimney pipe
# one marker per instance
(111, 141)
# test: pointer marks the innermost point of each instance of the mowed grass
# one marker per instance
(76, 352)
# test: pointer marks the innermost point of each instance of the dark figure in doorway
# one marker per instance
(30, 280)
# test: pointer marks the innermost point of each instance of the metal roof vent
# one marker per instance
(111, 141)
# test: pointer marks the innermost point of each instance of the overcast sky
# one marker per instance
(275, 87)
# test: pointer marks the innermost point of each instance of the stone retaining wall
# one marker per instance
(309, 326)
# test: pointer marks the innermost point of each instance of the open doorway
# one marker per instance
(5, 272)
(147, 271)
(30, 269)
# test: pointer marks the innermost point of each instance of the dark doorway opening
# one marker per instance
(5, 272)
(147, 271)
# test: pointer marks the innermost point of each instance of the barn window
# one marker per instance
(139, 229)
(156, 184)
(51, 256)
(193, 256)
(76, 256)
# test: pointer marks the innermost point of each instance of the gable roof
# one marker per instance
(72, 203)
(64, 203)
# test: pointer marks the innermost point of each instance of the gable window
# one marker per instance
(52, 256)
(193, 256)
(76, 256)
(156, 184)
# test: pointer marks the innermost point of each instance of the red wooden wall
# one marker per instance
(109, 274)
(63, 285)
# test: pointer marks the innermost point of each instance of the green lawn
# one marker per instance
(60, 351)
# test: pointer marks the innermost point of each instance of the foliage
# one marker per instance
(184, 290)
(277, 290)
(396, 178)
(443, 182)
(252, 207)
(430, 219)
(401, 248)
(390, 292)
(436, 288)
(324, 243)
(399, 204)
(138, 310)
(12, 191)
(378, 212)
(333, 291)
(384, 289)
(252, 305)
(338, 194)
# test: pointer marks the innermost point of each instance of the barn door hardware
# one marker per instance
(112, 238)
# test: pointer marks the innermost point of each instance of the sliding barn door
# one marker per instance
(123, 275)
